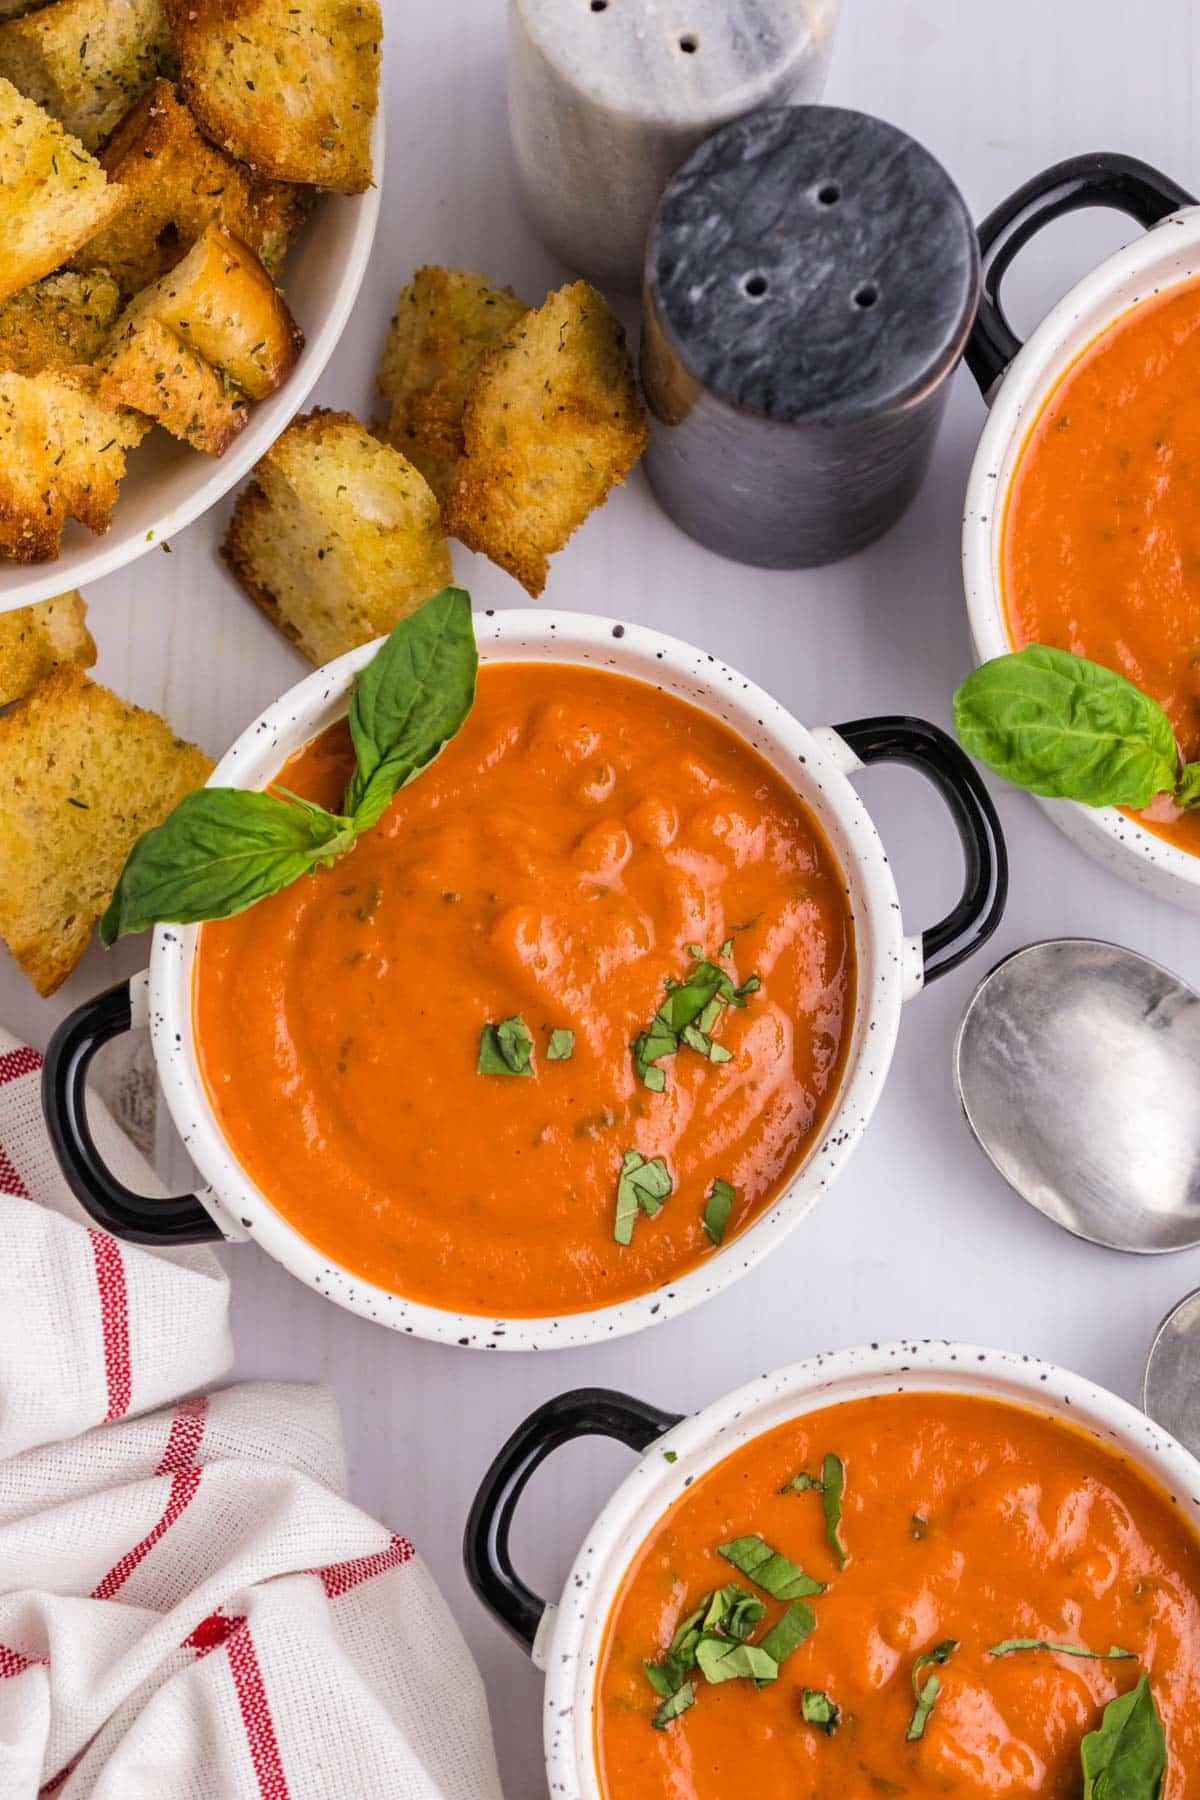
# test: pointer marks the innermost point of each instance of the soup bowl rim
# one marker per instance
(1015, 401)
(570, 1638)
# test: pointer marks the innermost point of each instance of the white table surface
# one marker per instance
(920, 1237)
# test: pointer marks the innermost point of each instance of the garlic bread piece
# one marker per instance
(222, 302)
(552, 422)
(54, 196)
(149, 369)
(175, 183)
(291, 90)
(337, 537)
(82, 775)
(87, 61)
(445, 321)
(62, 455)
(36, 639)
(60, 321)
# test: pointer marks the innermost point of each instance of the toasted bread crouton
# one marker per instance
(62, 320)
(36, 639)
(291, 90)
(175, 183)
(337, 537)
(222, 302)
(82, 775)
(53, 195)
(551, 424)
(87, 61)
(62, 455)
(149, 369)
(445, 321)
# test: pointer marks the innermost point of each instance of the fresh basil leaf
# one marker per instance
(726, 948)
(561, 1047)
(1114, 1653)
(1064, 727)
(928, 1690)
(719, 1659)
(819, 1710)
(789, 1631)
(1187, 794)
(717, 1209)
(1126, 1758)
(734, 1612)
(659, 1678)
(680, 1700)
(409, 700)
(769, 1569)
(506, 1048)
(833, 1487)
(801, 1483)
(642, 1183)
(219, 851)
(671, 1456)
(693, 949)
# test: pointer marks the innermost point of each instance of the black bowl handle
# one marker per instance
(585, 1412)
(1100, 179)
(138, 1218)
(985, 886)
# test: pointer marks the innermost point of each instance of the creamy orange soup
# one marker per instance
(962, 1520)
(1101, 542)
(571, 851)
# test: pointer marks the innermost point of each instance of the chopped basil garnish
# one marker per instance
(1114, 1653)
(719, 1659)
(819, 1710)
(789, 1631)
(506, 1048)
(717, 1209)
(561, 1046)
(928, 1690)
(683, 1697)
(693, 950)
(686, 1017)
(833, 1486)
(670, 1456)
(801, 1483)
(769, 1569)
(726, 948)
(1126, 1758)
(642, 1183)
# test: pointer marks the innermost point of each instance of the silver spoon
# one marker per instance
(1078, 1067)
(1171, 1388)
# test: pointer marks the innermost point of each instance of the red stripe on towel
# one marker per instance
(183, 1441)
(15, 1063)
(13, 1663)
(212, 1632)
(114, 1321)
(339, 1578)
(10, 1181)
(256, 1715)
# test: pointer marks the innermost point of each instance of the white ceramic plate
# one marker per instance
(166, 484)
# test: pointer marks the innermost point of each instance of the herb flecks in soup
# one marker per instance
(424, 1055)
(993, 1582)
(1101, 550)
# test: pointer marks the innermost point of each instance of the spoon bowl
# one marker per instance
(1170, 1391)
(1078, 1067)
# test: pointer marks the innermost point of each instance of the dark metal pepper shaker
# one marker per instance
(811, 278)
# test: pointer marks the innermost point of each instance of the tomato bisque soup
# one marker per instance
(963, 1524)
(1101, 538)
(585, 840)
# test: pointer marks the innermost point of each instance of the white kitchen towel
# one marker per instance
(190, 1609)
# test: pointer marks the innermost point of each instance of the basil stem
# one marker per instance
(928, 1690)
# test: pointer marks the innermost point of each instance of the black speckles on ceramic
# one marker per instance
(811, 279)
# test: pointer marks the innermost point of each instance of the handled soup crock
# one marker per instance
(817, 764)
(565, 1640)
(1016, 380)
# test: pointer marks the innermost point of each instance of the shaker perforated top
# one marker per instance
(813, 263)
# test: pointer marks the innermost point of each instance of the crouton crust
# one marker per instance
(54, 196)
(337, 537)
(82, 775)
(62, 455)
(222, 302)
(36, 639)
(59, 321)
(87, 61)
(290, 90)
(552, 423)
(175, 183)
(149, 369)
(444, 323)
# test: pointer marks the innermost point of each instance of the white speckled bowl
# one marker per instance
(168, 484)
(891, 967)
(570, 1636)
(1161, 257)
